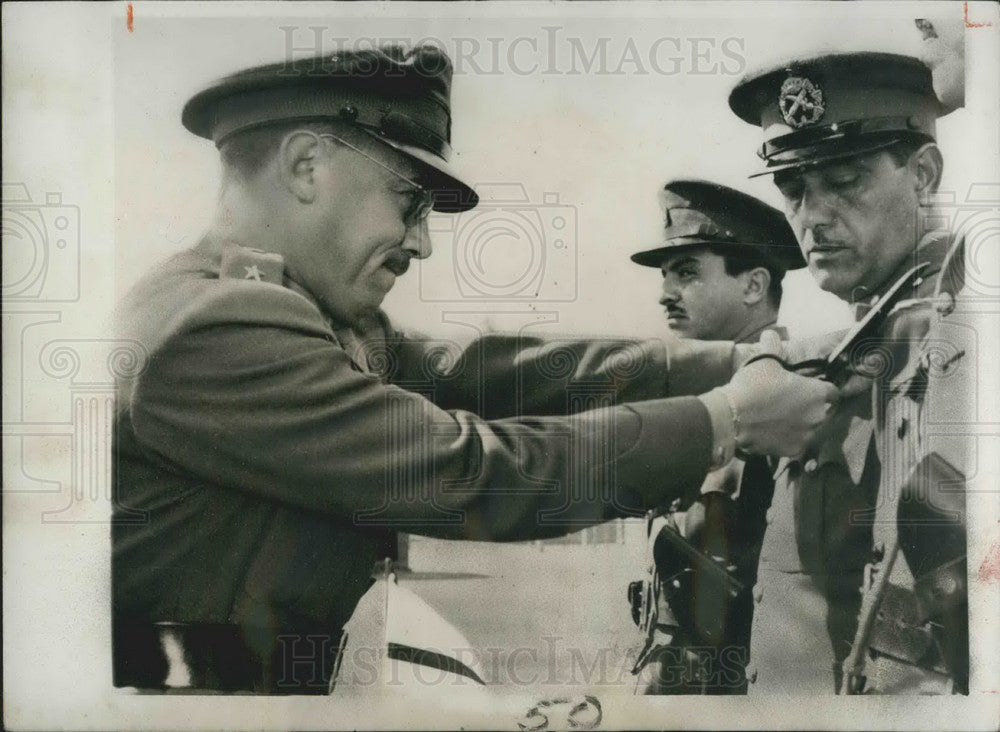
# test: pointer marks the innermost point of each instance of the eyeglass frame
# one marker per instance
(423, 200)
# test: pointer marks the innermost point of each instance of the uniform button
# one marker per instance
(945, 303)
(769, 516)
(758, 594)
(811, 465)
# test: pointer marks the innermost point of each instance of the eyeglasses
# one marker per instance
(421, 199)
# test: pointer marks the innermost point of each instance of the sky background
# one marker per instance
(574, 121)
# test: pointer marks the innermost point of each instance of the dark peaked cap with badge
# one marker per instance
(399, 96)
(835, 106)
(699, 213)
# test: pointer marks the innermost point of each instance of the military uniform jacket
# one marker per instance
(923, 391)
(839, 493)
(262, 457)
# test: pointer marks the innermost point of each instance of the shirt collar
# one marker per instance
(933, 248)
(754, 335)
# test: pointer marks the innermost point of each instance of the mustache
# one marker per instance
(397, 262)
(821, 240)
(673, 309)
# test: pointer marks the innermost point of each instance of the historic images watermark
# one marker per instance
(41, 243)
(965, 306)
(550, 51)
(509, 249)
(552, 664)
(59, 393)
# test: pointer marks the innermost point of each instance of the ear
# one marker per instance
(297, 160)
(756, 283)
(928, 164)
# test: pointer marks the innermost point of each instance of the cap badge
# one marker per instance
(800, 102)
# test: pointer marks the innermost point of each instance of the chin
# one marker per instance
(828, 281)
(368, 313)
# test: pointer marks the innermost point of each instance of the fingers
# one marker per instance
(770, 342)
(815, 416)
(827, 396)
(855, 385)
(832, 395)
(784, 413)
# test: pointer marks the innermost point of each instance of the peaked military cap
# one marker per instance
(400, 96)
(699, 213)
(834, 106)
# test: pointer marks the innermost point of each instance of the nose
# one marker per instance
(418, 240)
(669, 294)
(815, 210)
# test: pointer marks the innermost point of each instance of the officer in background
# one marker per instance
(282, 431)
(850, 141)
(723, 258)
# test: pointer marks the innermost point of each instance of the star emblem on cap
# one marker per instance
(252, 273)
(800, 102)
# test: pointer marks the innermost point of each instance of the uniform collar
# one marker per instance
(230, 259)
(360, 343)
(934, 248)
(754, 335)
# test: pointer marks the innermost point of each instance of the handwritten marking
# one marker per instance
(973, 25)
(130, 16)
(536, 721)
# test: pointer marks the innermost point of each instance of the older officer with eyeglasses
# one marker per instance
(283, 431)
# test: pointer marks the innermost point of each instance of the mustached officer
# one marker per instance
(723, 258)
(877, 502)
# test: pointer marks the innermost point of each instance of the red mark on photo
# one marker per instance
(989, 570)
(129, 17)
(973, 25)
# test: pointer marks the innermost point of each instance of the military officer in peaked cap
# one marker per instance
(282, 430)
(734, 249)
(850, 141)
(723, 258)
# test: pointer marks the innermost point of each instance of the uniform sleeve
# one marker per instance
(507, 375)
(285, 415)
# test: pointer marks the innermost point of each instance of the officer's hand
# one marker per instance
(777, 411)
(855, 385)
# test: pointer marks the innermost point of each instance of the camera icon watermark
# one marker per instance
(973, 220)
(41, 245)
(507, 249)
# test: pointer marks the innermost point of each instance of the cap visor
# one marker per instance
(452, 194)
(782, 257)
(808, 161)
(654, 257)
